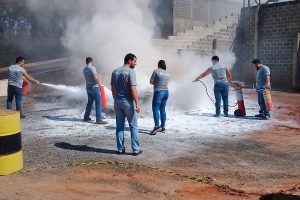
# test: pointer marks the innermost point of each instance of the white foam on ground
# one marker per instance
(199, 121)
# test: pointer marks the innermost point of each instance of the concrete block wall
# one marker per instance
(189, 13)
(200, 38)
(279, 25)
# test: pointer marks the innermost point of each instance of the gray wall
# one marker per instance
(278, 28)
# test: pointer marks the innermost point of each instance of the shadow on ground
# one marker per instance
(279, 196)
(67, 146)
(62, 118)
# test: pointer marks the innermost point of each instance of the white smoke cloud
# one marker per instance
(107, 30)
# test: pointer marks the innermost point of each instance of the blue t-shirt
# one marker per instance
(121, 81)
(15, 76)
(89, 72)
(261, 77)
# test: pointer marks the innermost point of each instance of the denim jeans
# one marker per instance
(159, 107)
(221, 91)
(93, 93)
(261, 103)
(126, 109)
(13, 91)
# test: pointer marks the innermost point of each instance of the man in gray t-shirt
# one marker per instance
(89, 72)
(93, 92)
(15, 82)
(262, 83)
(122, 79)
(221, 76)
(126, 104)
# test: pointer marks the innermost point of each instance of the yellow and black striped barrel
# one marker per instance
(11, 158)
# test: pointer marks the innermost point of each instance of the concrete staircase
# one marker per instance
(200, 38)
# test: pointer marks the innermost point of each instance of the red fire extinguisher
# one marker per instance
(268, 99)
(103, 96)
(241, 111)
(25, 86)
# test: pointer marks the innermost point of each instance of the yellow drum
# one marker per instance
(11, 158)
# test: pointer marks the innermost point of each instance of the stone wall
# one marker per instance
(278, 29)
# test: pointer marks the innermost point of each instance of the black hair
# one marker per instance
(256, 61)
(216, 58)
(88, 60)
(162, 64)
(128, 57)
(19, 59)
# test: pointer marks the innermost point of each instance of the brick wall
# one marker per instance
(278, 27)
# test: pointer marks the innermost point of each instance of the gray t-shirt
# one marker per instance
(15, 76)
(121, 80)
(261, 77)
(218, 72)
(89, 72)
(160, 78)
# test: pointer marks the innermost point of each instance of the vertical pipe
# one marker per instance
(256, 34)
(296, 60)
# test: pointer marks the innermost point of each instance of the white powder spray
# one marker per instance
(107, 30)
(64, 88)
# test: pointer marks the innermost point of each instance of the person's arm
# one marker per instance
(134, 94)
(95, 75)
(152, 79)
(133, 90)
(229, 76)
(31, 79)
(96, 78)
(268, 81)
(207, 72)
(113, 92)
(267, 74)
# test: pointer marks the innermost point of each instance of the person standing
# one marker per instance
(263, 82)
(126, 103)
(16, 74)
(160, 79)
(93, 91)
(221, 76)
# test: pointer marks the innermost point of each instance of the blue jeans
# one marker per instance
(221, 91)
(261, 103)
(13, 91)
(159, 103)
(126, 109)
(93, 93)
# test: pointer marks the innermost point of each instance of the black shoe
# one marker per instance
(155, 130)
(23, 116)
(162, 130)
(226, 115)
(121, 152)
(138, 153)
(88, 119)
(259, 115)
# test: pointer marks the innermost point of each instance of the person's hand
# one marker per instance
(268, 87)
(37, 82)
(138, 108)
